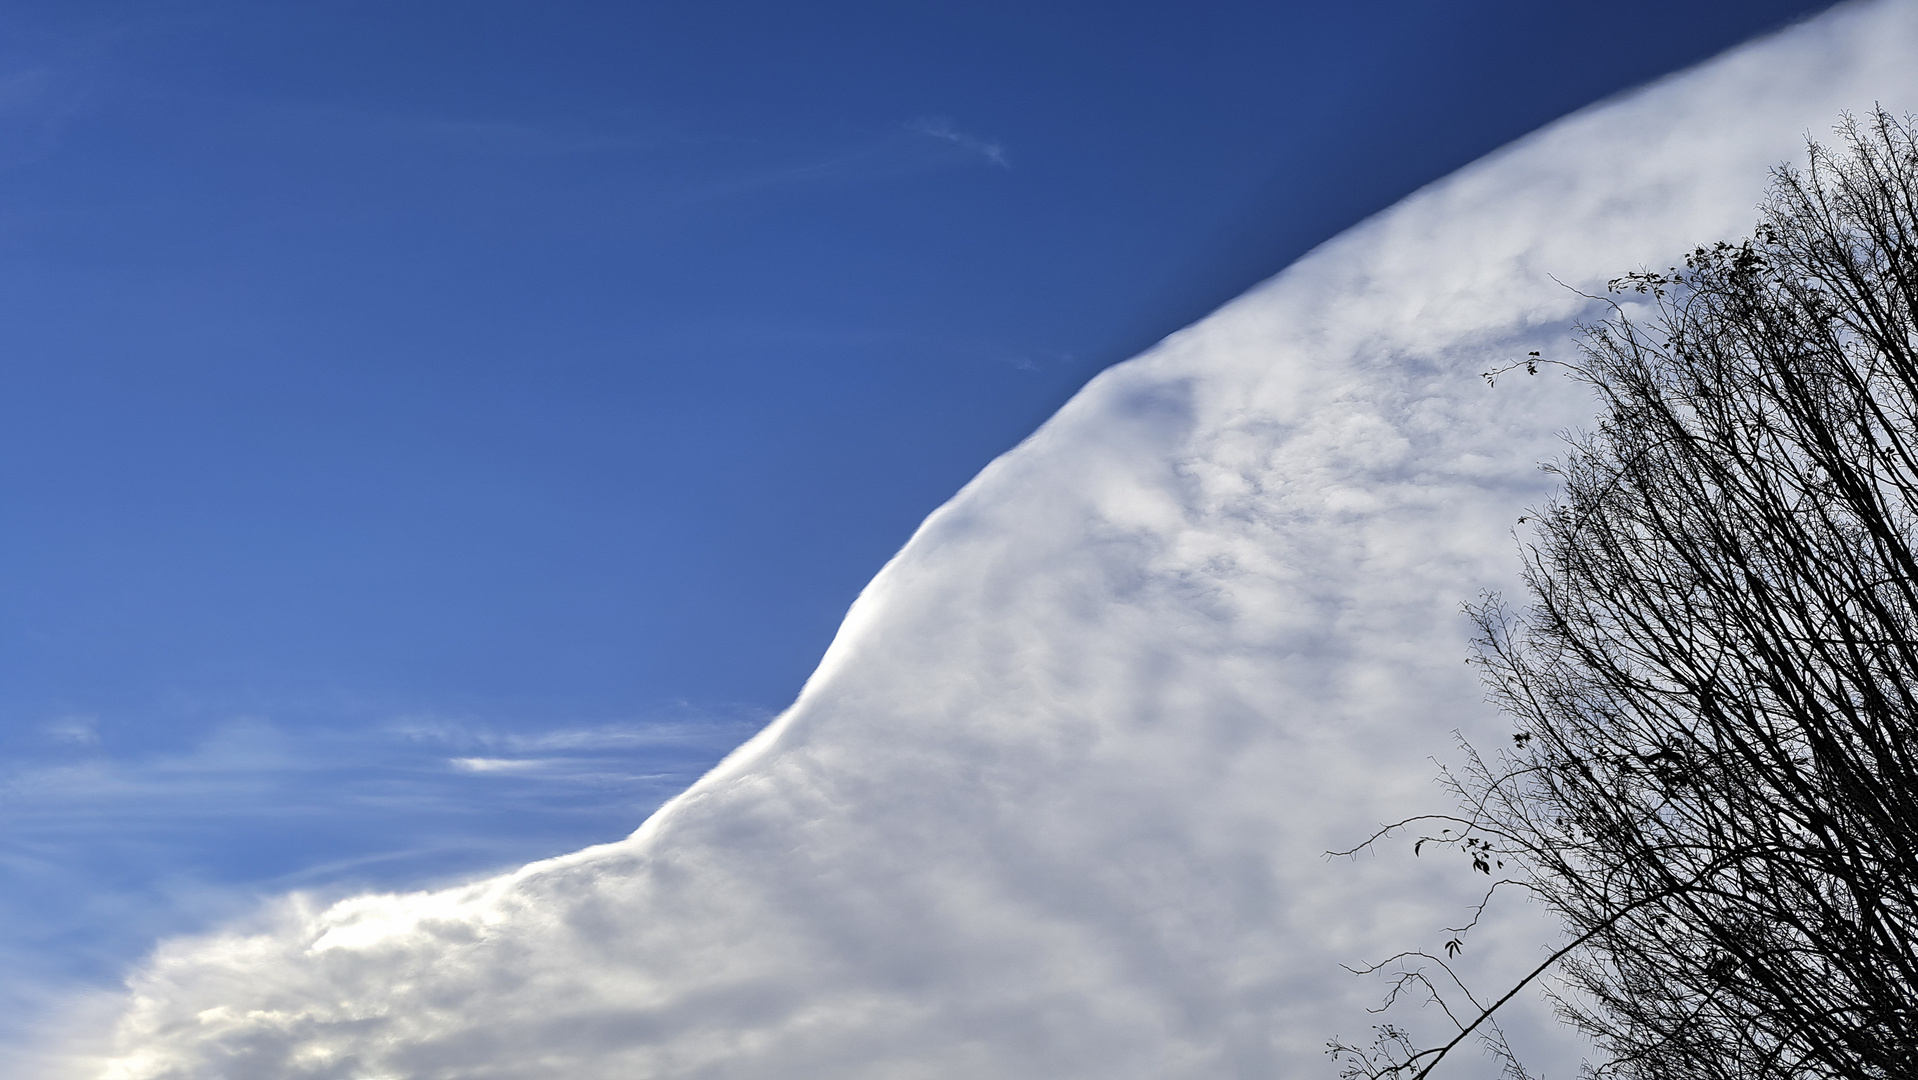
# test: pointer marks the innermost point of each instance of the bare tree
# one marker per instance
(1714, 777)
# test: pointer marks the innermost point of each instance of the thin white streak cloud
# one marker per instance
(921, 146)
(941, 128)
(83, 730)
(481, 137)
(499, 765)
(1054, 804)
(235, 763)
(568, 770)
(707, 728)
(63, 78)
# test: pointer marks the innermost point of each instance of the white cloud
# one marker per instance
(82, 730)
(904, 153)
(492, 764)
(941, 128)
(1054, 804)
(620, 736)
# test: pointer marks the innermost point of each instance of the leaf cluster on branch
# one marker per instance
(1714, 780)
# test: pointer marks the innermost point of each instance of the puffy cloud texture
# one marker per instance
(1055, 803)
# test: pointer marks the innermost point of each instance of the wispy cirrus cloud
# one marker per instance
(938, 127)
(920, 146)
(50, 80)
(700, 729)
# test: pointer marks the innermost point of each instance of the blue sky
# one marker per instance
(432, 433)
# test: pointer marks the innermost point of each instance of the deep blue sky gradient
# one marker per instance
(387, 384)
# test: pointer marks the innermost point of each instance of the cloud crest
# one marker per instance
(1054, 803)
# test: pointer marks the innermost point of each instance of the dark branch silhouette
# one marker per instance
(1714, 779)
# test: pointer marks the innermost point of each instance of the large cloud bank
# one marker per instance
(1054, 804)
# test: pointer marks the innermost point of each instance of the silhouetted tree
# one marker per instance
(1714, 777)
